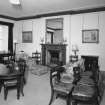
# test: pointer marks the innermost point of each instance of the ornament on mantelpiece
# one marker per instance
(64, 40)
(42, 39)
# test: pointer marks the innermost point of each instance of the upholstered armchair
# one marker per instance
(61, 85)
(86, 90)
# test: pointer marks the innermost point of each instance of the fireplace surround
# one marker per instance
(53, 53)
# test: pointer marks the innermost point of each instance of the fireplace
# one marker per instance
(54, 56)
(53, 53)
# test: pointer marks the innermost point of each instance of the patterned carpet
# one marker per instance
(36, 69)
(39, 70)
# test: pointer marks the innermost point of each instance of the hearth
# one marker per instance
(53, 53)
(54, 56)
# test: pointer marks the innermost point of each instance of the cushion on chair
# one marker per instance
(67, 78)
(86, 81)
(83, 92)
(62, 87)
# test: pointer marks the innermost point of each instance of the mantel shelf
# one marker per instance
(54, 44)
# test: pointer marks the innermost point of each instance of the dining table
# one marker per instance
(7, 71)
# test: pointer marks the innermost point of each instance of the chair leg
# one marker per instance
(21, 89)
(5, 93)
(53, 96)
(0, 88)
(67, 100)
(18, 93)
(51, 99)
(74, 102)
(97, 101)
(24, 80)
(1, 85)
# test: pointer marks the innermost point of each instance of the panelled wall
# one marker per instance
(38, 27)
(72, 31)
(89, 21)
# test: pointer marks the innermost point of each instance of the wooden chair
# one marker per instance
(59, 88)
(14, 79)
(10, 81)
(85, 94)
(86, 90)
(22, 68)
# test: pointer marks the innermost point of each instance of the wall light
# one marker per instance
(75, 49)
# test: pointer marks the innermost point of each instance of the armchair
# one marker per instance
(59, 87)
(86, 90)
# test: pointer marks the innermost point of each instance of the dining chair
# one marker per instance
(15, 78)
(11, 81)
(22, 68)
(58, 87)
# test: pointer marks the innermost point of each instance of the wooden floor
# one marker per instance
(37, 92)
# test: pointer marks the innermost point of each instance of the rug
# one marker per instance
(39, 70)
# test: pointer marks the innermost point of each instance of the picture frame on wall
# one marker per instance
(27, 37)
(90, 36)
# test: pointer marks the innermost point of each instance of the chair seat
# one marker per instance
(10, 83)
(66, 78)
(83, 91)
(86, 81)
(3, 69)
(63, 87)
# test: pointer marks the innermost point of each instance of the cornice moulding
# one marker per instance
(70, 12)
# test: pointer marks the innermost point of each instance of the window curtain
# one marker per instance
(10, 35)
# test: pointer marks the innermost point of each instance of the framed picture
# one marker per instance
(27, 37)
(90, 36)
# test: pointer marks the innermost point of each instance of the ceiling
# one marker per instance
(37, 7)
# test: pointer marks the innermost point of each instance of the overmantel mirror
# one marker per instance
(54, 31)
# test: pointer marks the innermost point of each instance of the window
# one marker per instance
(3, 38)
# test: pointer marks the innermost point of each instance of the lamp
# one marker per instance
(15, 2)
(75, 49)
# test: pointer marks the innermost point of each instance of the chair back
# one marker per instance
(12, 76)
(55, 74)
(22, 66)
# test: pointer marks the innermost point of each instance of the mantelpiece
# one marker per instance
(49, 50)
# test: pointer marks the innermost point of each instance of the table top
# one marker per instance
(5, 71)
